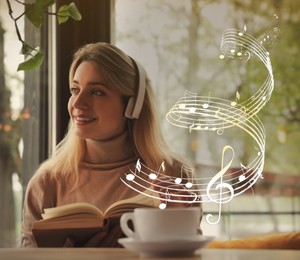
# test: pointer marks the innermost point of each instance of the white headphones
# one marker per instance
(135, 104)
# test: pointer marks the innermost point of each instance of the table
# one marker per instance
(124, 254)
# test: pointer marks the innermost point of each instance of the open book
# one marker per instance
(81, 220)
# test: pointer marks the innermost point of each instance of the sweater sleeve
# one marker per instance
(40, 194)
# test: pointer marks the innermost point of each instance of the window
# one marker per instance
(33, 105)
(11, 115)
(23, 121)
(179, 44)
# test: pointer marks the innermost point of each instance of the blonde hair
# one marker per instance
(145, 132)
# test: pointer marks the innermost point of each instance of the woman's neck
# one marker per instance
(108, 151)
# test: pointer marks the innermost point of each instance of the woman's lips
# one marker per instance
(83, 120)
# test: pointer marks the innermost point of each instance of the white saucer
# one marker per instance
(165, 248)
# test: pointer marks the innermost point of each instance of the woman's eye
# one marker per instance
(98, 92)
(74, 91)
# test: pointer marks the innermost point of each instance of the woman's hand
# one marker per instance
(107, 237)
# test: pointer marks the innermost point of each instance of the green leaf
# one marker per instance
(74, 12)
(33, 61)
(66, 11)
(35, 12)
(63, 14)
(26, 49)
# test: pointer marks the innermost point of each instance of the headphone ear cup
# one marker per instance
(135, 103)
(129, 108)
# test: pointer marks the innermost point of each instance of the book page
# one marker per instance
(70, 209)
(116, 209)
(126, 205)
(81, 220)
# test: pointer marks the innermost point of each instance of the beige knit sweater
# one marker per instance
(99, 184)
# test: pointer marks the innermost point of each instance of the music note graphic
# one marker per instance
(190, 173)
(163, 205)
(247, 54)
(181, 106)
(244, 30)
(221, 185)
(138, 167)
(237, 97)
(184, 170)
(189, 184)
(153, 176)
(193, 108)
(192, 127)
(195, 198)
(244, 170)
(208, 216)
(209, 113)
(220, 131)
(185, 101)
(206, 105)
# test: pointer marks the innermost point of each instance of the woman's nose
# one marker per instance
(80, 101)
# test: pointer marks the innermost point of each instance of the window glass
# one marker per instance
(23, 117)
(178, 42)
(11, 116)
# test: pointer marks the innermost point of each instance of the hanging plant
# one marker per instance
(35, 13)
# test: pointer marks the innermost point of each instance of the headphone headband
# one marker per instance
(135, 104)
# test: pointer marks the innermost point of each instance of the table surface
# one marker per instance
(121, 253)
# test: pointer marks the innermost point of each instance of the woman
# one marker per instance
(113, 124)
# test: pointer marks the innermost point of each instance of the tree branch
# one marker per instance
(15, 20)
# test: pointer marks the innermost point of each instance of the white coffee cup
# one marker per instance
(161, 224)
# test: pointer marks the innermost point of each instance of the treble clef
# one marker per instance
(221, 185)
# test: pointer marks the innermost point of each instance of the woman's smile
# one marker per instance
(83, 120)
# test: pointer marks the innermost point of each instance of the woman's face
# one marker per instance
(95, 108)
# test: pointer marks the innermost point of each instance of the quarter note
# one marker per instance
(193, 108)
(163, 205)
(206, 105)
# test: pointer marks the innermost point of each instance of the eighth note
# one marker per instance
(237, 97)
(243, 177)
(153, 176)
(138, 166)
(184, 169)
